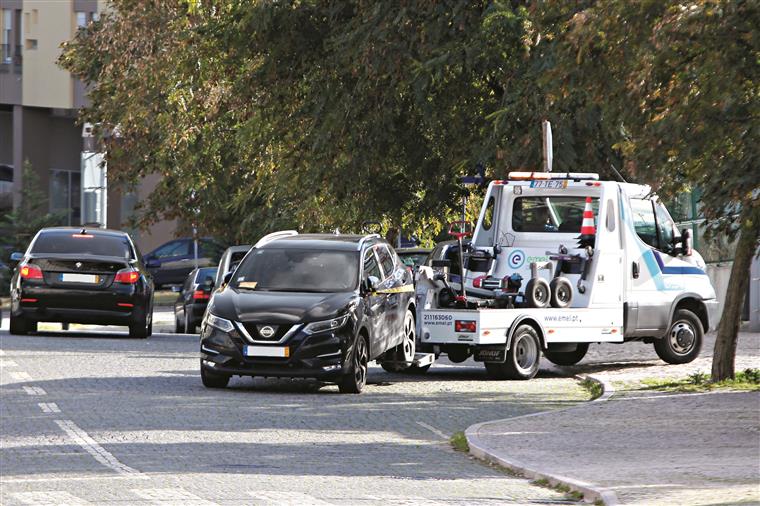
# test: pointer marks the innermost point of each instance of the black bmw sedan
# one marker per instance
(81, 275)
(316, 306)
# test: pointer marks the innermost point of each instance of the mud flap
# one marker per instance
(490, 354)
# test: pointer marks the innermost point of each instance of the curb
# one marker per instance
(590, 491)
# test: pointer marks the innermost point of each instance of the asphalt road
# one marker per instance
(92, 417)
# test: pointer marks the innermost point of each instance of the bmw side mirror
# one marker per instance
(152, 264)
(687, 242)
(16, 256)
(227, 278)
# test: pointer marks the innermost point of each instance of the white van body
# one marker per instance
(636, 281)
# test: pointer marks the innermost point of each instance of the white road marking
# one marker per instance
(93, 448)
(53, 479)
(34, 391)
(20, 376)
(2, 352)
(433, 430)
(284, 498)
(8, 363)
(50, 498)
(49, 407)
(400, 500)
(171, 497)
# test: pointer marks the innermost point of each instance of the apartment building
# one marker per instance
(38, 113)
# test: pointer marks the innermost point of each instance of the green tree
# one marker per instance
(21, 224)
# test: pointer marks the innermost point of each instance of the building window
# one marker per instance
(65, 196)
(7, 53)
(81, 19)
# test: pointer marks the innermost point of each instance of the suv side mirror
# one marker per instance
(371, 284)
(16, 256)
(687, 242)
(227, 278)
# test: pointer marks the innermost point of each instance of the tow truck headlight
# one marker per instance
(325, 325)
(217, 322)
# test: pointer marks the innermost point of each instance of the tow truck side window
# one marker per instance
(644, 222)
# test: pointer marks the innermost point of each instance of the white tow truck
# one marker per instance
(533, 282)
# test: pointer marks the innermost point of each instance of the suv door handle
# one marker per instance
(635, 270)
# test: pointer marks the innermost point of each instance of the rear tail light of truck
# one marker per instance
(31, 271)
(465, 326)
(127, 276)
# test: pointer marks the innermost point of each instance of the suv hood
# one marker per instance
(278, 307)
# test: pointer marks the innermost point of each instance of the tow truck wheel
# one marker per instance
(561, 292)
(522, 357)
(567, 357)
(537, 293)
(404, 352)
(683, 342)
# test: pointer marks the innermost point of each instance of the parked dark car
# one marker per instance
(81, 275)
(193, 299)
(230, 259)
(312, 305)
(175, 259)
(413, 257)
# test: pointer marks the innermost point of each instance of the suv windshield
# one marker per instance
(298, 270)
(82, 244)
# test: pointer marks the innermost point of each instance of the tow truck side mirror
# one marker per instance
(687, 242)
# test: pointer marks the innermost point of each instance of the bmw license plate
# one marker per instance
(73, 277)
(267, 351)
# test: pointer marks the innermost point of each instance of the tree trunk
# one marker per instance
(724, 353)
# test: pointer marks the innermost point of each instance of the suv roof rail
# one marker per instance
(274, 236)
(368, 237)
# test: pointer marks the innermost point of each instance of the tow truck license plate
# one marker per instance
(73, 277)
(267, 351)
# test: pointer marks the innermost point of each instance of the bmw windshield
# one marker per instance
(298, 270)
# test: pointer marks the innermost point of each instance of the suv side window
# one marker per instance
(386, 259)
(370, 265)
(644, 222)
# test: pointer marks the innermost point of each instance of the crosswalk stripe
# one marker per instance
(171, 497)
(8, 363)
(284, 498)
(34, 391)
(50, 498)
(20, 376)
(49, 407)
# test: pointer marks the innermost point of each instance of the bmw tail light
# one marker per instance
(127, 276)
(201, 295)
(31, 271)
(465, 326)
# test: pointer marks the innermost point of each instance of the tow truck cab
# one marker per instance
(635, 278)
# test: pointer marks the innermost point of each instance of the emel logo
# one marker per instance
(516, 259)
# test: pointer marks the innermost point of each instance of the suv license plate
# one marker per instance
(267, 351)
(73, 277)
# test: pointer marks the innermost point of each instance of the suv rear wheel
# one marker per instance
(354, 381)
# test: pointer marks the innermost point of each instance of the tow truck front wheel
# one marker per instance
(522, 357)
(683, 342)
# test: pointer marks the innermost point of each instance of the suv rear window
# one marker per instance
(82, 244)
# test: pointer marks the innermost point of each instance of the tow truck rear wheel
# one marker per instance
(683, 342)
(567, 357)
(522, 357)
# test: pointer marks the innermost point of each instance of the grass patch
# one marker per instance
(593, 387)
(570, 493)
(459, 442)
(748, 379)
(164, 298)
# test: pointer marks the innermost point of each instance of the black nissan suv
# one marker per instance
(315, 306)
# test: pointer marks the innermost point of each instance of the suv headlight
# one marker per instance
(217, 322)
(325, 325)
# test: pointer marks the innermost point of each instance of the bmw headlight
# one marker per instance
(217, 322)
(326, 325)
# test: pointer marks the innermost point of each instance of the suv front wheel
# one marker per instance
(353, 382)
